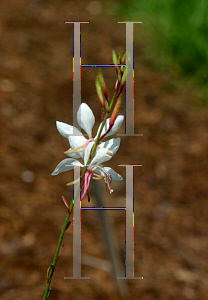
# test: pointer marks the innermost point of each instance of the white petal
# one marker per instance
(100, 157)
(114, 129)
(77, 141)
(115, 176)
(101, 171)
(85, 118)
(87, 152)
(66, 130)
(66, 165)
(112, 145)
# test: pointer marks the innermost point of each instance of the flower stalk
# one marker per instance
(106, 109)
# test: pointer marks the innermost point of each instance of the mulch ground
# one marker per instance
(170, 192)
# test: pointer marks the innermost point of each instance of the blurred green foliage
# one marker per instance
(178, 33)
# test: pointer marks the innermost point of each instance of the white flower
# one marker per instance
(81, 147)
(94, 169)
(86, 121)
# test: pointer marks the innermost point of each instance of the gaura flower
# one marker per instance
(86, 121)
(94, 170)
(81, 147)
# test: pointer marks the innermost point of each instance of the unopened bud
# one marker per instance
(115, 111)
(114, 57)
(116, 84)
(106, 105)
(116, 62)
(123, 58)
(50, 271)
(66, 203)
(120, 55)
(123, 79)
(99, 91)
(103, 85)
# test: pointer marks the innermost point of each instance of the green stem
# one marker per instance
(101, 128)
(47, 292)
(45, 297)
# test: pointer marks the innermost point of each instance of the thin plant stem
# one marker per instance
(57, 252)
(55, 259)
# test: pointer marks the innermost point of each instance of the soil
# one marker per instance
(170, 189)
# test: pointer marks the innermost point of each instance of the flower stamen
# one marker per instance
(75, 150)
(73, 182)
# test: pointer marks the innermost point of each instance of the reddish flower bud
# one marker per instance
(106, 106)
(103, 85)
(66, 203)
(123, 59)
(115, 111)
(99, 91)
(116, 62)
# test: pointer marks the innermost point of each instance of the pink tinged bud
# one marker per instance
(123, 78)
(103, 85)
(106, 105)
(115, 111)
(99, 91)
(66, 203)
(116, 62)
(123, 59)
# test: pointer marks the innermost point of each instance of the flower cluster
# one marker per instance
(92, 150)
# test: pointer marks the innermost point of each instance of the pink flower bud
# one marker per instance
(103, 85)
(115, 111)
(99, 91)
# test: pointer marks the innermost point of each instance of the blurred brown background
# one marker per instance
(170, 189)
